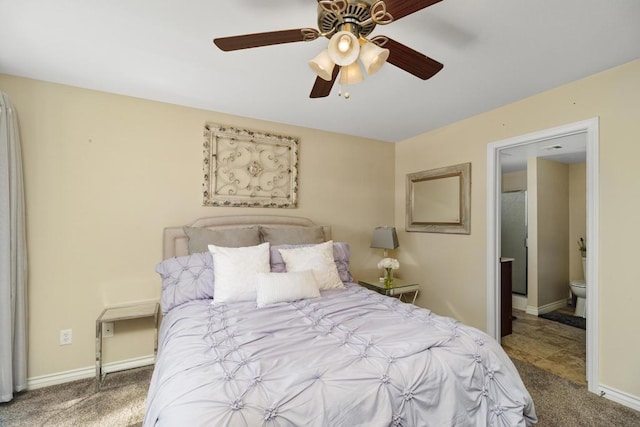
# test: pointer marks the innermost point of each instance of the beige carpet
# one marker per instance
(560, 402)
(119, 403)
(121, 400)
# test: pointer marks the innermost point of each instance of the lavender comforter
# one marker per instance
(349, 358)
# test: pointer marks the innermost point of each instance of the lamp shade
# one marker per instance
(385, 238)
(373, 57)
(343, 48)
(322, 65)
(351, 74)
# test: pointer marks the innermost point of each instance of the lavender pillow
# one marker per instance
(185, 279)
(341, 254)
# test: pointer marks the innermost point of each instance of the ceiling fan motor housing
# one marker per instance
(350, 19)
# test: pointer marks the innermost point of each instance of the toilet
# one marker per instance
(579, 289)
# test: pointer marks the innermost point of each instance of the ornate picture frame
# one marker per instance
(247, 168)
(439, 200)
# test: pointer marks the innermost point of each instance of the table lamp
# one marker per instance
(385, 238)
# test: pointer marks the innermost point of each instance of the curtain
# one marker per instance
(13, 258)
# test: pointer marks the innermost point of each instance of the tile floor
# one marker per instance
(548, 345)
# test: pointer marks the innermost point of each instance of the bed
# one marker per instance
(344, 356)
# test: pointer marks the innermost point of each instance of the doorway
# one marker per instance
(589, 128)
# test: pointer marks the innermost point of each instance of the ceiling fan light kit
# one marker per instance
(351, 74)
(322, 65)
(373, 57)
(347, 23)
(343, 48)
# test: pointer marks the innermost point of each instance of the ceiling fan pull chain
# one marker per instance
(347, 95)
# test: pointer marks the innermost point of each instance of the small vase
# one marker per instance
(388, 278)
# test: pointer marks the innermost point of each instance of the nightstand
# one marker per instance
(115, 314)
(399, 288)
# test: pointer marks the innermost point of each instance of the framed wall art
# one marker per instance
(247, 168)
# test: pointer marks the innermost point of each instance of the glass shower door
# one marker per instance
(514, 237)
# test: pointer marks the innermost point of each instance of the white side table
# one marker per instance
(115, 314)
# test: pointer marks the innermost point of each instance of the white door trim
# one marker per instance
(494, 188)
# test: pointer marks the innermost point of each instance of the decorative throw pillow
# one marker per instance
(341, 255)
(200, 238)
(235, 271)
(185, 279)
(319, 259)
(292, 235)
(280, 287)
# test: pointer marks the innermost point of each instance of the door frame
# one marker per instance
(590, 128)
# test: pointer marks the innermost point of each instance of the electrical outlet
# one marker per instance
(66, 336)
(107, 330)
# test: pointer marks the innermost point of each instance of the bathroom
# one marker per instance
(552, 177)
(543, 217)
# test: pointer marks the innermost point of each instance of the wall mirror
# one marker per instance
(439, 200)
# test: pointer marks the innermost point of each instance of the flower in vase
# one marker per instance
(387, 263)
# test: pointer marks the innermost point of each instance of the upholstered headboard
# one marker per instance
(174, 241)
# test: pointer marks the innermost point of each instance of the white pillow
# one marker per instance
(235, 269)
(317, 258)
(279, 287)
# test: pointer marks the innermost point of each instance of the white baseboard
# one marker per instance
(519, 302)
(547, 308)
(88, 372)
(620, 397)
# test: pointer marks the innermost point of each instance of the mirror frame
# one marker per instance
(463, 171)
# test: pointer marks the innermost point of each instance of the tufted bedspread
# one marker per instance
(350, 358)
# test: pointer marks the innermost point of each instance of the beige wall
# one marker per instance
(557, 212)
(105, 173)
(514, 181)
(551, 217)
(532, 233)
(577, 217)
(451, 268)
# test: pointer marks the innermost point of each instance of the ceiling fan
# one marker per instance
(347, 23)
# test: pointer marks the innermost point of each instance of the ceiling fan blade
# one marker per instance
(248, 41)
(401, 8)
(322, 88)
(408, 59)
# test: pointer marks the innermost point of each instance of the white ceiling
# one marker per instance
(494, 52)
(567, 149)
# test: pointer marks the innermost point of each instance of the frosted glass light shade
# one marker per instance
(351, 74)
(373, 57)
(322, 65)
(343, 48)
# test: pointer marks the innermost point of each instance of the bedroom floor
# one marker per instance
(548, 345)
